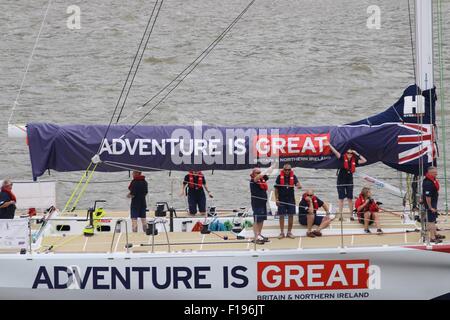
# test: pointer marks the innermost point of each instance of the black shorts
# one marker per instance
(197, 199)
(431, 216)
(361, 218)
(259, 214)
(286, 209)
(345, 192)
(138, 212)
(303, 220)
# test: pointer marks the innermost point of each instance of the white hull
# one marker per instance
(396, 273)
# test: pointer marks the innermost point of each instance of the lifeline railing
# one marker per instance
(154, 224)
(117, 228)
(163, 221)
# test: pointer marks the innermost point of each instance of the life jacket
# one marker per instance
(350, 165)
(314, 201)
(291, 178)
(138, 178)
(11, 195)
(434, 180)
(199, 182)
(198, 226)
(372, 206)
(262, 184)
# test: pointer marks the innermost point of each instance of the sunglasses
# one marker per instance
(287, 170)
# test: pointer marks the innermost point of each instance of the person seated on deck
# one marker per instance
(194, 186)
(138, 208)
(7, 200)
(367, 210)
(307, 214)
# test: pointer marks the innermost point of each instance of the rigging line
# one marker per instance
(128, 76)
(396, 112)
(89, 176)
(77, 187)
(139, 62)
(441, 97)
(193, 65)
(412, 42)
(127, 166)
(83, 189)
(211, 46)
(123, 164)
(29, 62)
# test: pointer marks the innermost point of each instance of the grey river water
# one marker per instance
(285, 63)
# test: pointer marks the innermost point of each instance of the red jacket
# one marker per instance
(371, 206)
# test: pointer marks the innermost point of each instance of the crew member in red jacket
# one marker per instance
(368, 210)
(430, 195)
(7, 200)
(194, 186)
(285, 198)
(138, 190)
(349, 161)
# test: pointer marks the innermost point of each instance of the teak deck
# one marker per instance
(396, 232)
(402, 234)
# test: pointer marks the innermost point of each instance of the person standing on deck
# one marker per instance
(258, 192)
(350, 160)
(430, 190)
(138, 209)
(285, 198)
(7, 200)
(194, 186)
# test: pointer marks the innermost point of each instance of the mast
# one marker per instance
(424, 80)
(424, 44)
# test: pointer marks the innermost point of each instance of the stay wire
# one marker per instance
(128, 76)
(30, 59)
(139, 62)
(411, 39)
(191, 67)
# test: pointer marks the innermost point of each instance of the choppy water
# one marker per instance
(285, 63)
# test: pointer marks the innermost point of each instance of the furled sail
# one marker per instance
(397, 137)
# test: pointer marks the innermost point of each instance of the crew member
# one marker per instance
(7, 200)
(285, 198)
(138, 208)
(307, 213)
(350, 160)
(430, 187)
(195, 183)
(368, 210)
(258, 191)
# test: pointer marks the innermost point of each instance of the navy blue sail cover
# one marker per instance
(393, 137)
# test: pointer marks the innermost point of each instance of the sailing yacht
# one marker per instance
(50, 257)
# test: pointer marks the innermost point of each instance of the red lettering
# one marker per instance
(312, 275)
(289, 145)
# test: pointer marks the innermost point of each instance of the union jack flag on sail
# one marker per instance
(423, 142)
